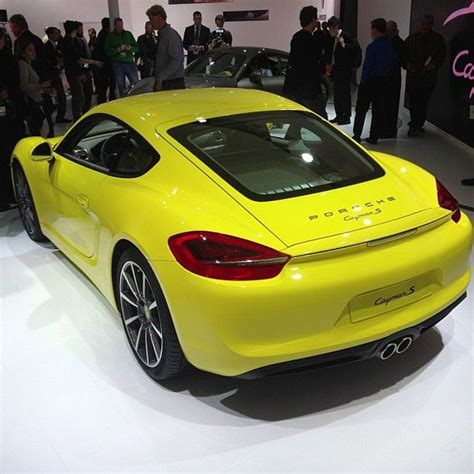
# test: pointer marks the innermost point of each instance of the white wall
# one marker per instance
(275, 33)
(43, 13)
(396, 10)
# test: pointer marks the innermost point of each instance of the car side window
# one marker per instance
(268, 65)
(110, 145)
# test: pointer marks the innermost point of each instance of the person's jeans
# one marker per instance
(419, 98)
(122, 72)
(77, 95)
(342, 94)
(372, 93)
(105, 79)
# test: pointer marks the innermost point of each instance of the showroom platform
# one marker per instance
(74, 399)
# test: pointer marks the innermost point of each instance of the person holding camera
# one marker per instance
(220, 37)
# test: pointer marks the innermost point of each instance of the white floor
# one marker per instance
(73, 398)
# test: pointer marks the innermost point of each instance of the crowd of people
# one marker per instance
(327, 48)
(32, 71)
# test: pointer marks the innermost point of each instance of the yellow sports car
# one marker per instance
(237, 231)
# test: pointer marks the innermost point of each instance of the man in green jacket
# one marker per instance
(120, 47)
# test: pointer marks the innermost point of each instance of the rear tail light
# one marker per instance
(447, 201)
(224, 257)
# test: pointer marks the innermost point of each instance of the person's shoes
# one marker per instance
(356, 139)
(468, 182)
(334, 120)
(63, 120)
(372, 141)
(421, 130)
(413, 132)
(344, 122)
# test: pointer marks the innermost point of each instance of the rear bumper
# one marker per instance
(233, 328)
(353, 354)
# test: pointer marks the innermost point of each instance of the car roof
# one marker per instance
(252, 50)
(187, 105)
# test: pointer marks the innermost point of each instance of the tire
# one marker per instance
(146, 317)
(26, 205)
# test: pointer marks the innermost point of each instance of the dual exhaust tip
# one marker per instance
(396, 347)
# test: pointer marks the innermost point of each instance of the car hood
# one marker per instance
(197, 82)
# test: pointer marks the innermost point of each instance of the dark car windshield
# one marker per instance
(217, 64)
(275, 155)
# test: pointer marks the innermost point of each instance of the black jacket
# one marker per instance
(188, 40)
(420, 47)
(10, 81)
(399, 52)
(303, 78)
(52, 62)
(344, 58)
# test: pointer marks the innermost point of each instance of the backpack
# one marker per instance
(357, 55)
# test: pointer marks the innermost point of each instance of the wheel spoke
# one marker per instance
(158, 332)
(135, 279)
(143, 285)
(130, 286)
(152, 306)
(131, 320)
(154, 348)
(146, 348)
(128, 300)
(138, 337)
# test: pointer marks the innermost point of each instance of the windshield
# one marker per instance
(276, 155)
(217, 64)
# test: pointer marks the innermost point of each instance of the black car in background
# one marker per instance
(249, 68)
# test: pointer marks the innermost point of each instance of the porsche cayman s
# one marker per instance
(237, 231)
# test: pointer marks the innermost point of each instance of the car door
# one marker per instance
(75, 179)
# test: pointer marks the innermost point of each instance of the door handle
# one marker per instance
(83, 201)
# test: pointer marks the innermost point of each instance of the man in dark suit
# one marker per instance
(196, 38)
(340, 55)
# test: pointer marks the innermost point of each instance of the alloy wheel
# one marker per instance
(25, 202)
(141, 314)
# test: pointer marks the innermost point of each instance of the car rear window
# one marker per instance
(270, 156)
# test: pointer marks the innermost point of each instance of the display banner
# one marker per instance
(247, 15)
(452, 104)
(182, 2)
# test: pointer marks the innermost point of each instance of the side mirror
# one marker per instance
(42, 152)
(256, 77)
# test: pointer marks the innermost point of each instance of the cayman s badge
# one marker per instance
(370, 208)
